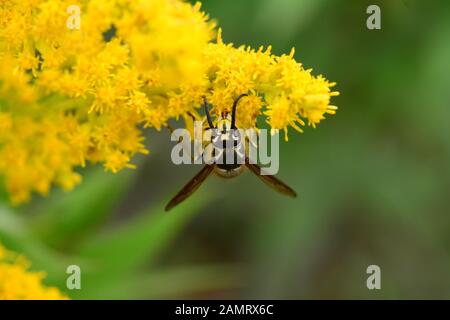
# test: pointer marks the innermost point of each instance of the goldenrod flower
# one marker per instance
(68, 97)
(17, 282)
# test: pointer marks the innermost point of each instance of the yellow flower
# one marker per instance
(287, 92)
(71, 97)
(139, 102)
(17, 282)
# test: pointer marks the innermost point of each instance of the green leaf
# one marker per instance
(15, 235)
(124, 248)
(173, 282)
(67, 217)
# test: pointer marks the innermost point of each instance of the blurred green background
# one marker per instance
(373, 180)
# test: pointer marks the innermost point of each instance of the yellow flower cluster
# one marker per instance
(277, 83)
(69, 96)
(18, 283)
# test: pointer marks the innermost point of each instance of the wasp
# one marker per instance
(226, 130)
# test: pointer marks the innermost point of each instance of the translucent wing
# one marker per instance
(271, 181)
(190, 187)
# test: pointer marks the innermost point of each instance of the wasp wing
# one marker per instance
(271, 181)
(190, 187)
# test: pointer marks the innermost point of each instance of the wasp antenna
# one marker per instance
(208, 116)
(233, 113)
